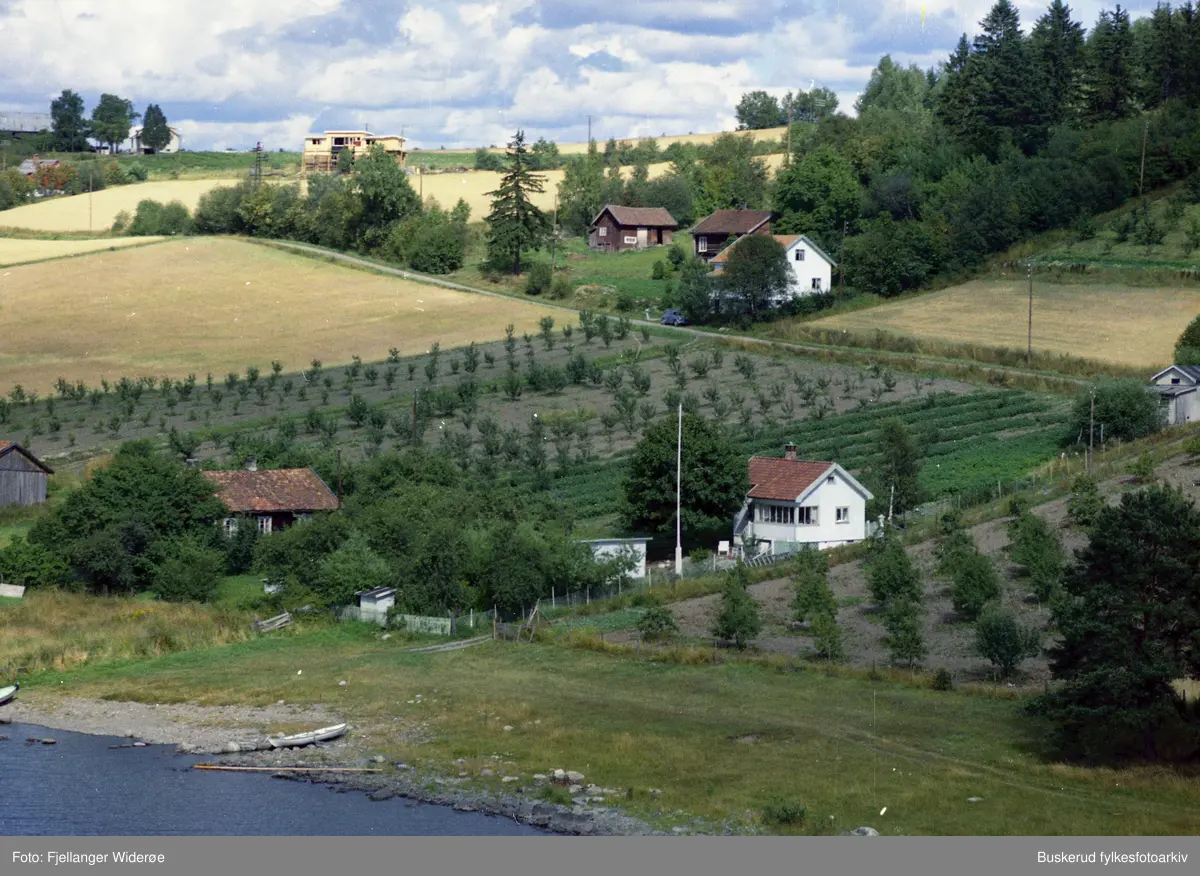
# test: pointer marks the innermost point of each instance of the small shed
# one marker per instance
(617, 228)
(23, 477)
(608, 548)
(374, 604)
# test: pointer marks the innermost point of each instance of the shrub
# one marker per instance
(657, 623)
(539, 279)
(1085, 502)
(738, 620)
(784, 812)
(976, 584)
(891, 575)
(1143, 468)
(1003, 642)
(676, 256)
(942, 680)
(1123, 410)
(561, 287)
(905, 640)
(190, 571)
(1036, 547)
(659, 271)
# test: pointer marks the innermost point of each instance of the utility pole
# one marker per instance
(589, 129)
(1029, 347)
(842, 261)
(554, 236)
(91, 170)
(787, 159)
(1142, 174)
(678, 491)
(1091, 429)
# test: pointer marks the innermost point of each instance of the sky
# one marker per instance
(465, 74)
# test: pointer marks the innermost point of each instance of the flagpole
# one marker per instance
(678, 485)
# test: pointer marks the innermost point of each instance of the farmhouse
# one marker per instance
(616, 228)
(321, 150)
(135, 143)
(712, 233)
(274, 499)
(794, 503)
(30, 166)
(810, 266)
(23, 476)
(1177, 388)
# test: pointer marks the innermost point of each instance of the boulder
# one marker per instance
(508, 779)
(486, 772)
(231, 748)
(540, 777)
(559, 775)
(864, 831)
(575, 789)
(574, 777)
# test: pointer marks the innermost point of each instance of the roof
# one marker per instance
(651, 217)
(783, 479)
(30, 165)
(786, 241)
(282, 489)
(1189, 371)
(1173, 390)
(732, 222)
(377, 593)
(7, 447)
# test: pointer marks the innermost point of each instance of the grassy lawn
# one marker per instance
(720, 741)
(12, 530)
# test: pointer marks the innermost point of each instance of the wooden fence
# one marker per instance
(272, 623)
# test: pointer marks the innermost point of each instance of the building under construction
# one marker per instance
(321, 151)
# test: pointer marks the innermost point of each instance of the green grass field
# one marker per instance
(720, 741)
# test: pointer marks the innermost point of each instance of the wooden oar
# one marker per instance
(208, 766)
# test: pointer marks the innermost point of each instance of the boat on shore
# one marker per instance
(7, 694)
(296, 740)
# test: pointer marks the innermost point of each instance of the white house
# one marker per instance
(609, 548)
(135, 142)
(811, 268)
(793, 503)
(1177, 387)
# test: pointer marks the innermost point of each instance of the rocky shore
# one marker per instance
(234, 735)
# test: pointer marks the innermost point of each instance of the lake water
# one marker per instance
(81, 787)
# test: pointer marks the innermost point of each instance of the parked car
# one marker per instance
(674, 317)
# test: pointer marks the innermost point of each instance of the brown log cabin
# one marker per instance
(713, 233)
(616, 228)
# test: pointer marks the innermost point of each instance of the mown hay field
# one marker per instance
(14, 251)
(71, 212)
(1123, 325)
(206, 304)
(663, 142)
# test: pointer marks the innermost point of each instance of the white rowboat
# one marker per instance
(7, 693)
(298, 739)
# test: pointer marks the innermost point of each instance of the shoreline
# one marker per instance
(233, 735)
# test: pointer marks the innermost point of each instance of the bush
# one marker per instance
(942, 680)
(1085, 502)
(1003, 642)
(239, 556)
(676, 256)
(153, 218)
(1124, 410)
(976, 584)
(891, 575)
(783, 812)
(1035, 546)
(121, 222)
(560, 288)
(218, 210)
(539, 279)
(905, 640)
(1143, 468)
(190, 572)
(349, 569)
(659, 271)
(657, 623)
(738, 619)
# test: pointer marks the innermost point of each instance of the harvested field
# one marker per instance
(663, 142)
(1119, 324)
(207, 304)
(14, 251)
(71, 213)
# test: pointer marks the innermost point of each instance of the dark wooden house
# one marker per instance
(616, 228)
(23, 476)
(274, 499)
(713, 233)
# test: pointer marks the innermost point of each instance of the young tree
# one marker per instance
(738, 619)
(757, 274)
(976, 585)
(695, 290)
(713, 483)
(382, 197)
(515, 224)
(1128, 629)
(156, 135)
(1003, 642)
(70, 127)
(112, 119)
(1123, 410)
(905, 639)
(891, 575)
(897, 469)
(815, 604)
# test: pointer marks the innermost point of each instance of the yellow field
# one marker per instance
(663, 142)
(14, 251)
(210, 304)
(1119, 324)
(70, 213)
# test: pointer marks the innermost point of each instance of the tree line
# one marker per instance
(110, 123)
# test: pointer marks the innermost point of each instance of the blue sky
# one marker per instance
(459, 74)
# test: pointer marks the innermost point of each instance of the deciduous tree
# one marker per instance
(112, 119)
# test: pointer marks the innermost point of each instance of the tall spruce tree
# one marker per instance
(515, 223)
(1057, 47)
(1109, 82)
(1159, 56)
(1009, 92)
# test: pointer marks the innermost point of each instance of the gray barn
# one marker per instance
(22, 476)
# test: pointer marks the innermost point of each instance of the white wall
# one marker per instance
(609, 549)
(828, 497)
(812, 266)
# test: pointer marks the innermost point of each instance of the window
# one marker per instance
(799, 255)
(264, 525)
(1174, 380)
(230, 526)
(843, 515)
(816, 284)
(630, 239)
(807, 516)
(701, 244)
(785, 514)
(604, 231)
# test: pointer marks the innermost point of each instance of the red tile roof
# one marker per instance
(783, 479)
(648, 217)
(7, 446)
(732, 222)
(283, 489)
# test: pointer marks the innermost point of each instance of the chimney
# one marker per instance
(252, 464)
(789, 451)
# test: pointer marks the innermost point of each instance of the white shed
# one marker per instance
(374, 604)
(607, 548)
(1177, 387)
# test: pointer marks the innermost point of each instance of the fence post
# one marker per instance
(589, 594)
(553, 603)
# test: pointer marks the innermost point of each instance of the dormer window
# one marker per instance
(1174, 380)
